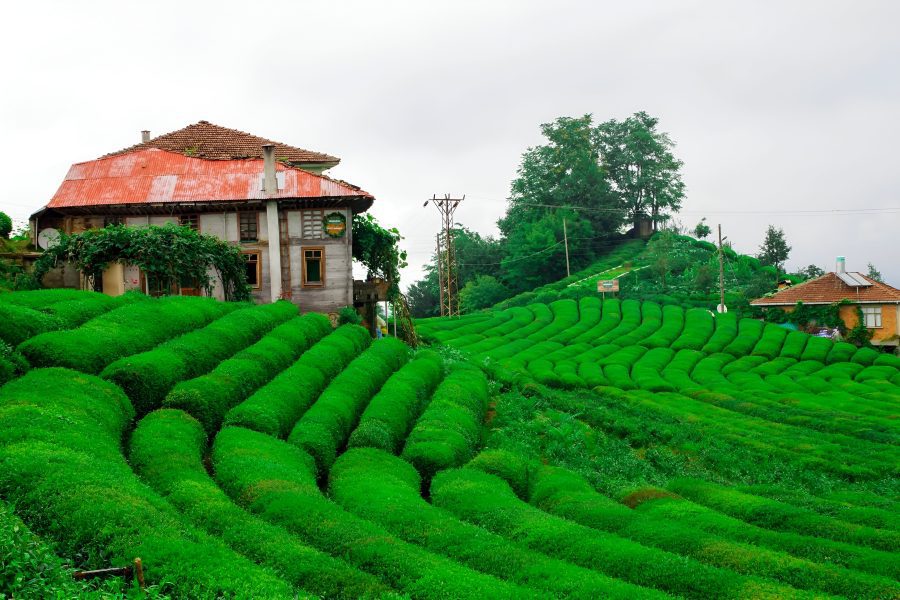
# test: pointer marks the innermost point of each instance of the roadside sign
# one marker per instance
(609, 285)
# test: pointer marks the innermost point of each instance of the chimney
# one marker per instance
(840, 264)
(145, 136)
(270, 183)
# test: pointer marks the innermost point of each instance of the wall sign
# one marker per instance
(335, 224)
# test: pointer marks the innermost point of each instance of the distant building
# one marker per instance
(291, 222)
(879, 302)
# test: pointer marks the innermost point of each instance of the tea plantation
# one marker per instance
(579, 448)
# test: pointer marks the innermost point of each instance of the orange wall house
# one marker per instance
(879, 302)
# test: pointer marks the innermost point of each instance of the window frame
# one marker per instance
(113, 220)
(241, 237)
(876, 313)
(304, 282)
(258, 254)
(191, 216)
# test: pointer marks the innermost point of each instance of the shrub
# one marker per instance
(149, 376)
(131, 329)
(348, 316)
(749, 332)
(389, 416)
(60, 434)
(167, 449)
(19, 323)
(384, 489)
(725, 332)
(277, 480)
(817, 349)
(275, 408)
(698, 327)
(325, 427)
(488, 501)
(208, 397)
(6, 225)
(449, 430)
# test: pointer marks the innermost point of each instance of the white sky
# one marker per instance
(775, 106)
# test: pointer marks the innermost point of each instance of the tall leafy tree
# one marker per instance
(644, 174)
(774, 250)
(874, 273)
(564, 172)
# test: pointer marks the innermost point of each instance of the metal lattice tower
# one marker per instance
(447, 271)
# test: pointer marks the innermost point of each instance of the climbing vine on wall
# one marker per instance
(170, 254)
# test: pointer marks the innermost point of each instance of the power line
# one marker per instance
(834, 211)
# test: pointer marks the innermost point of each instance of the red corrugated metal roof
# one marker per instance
(829, 289)
(158, 176)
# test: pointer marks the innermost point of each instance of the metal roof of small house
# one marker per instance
(153, 176)
(830, 288)
(213, 142)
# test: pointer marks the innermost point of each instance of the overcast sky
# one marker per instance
(776, 107)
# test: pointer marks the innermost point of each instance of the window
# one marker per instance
(313, 266)
(248, 226)
(312, 224)
(872, 316)
(254, 276)
(192, 221)
(113, 220)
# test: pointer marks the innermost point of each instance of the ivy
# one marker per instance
(859, 335)
(171, 254)
(378, 250)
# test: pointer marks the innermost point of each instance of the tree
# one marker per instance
(774, 250)
(703, 278)
(423, 296)
(481, 292)
(874, 273)
(6, 225)
(810, 272)
(564, 172)
(378, 250)
(644, 175)
(702, 230)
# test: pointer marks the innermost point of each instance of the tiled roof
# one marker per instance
(212, 142)
(155, 176)
(828, 289)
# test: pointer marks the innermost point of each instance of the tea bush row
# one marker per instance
(275, 408)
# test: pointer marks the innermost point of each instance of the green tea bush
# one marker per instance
(18, 323)
(209, 397)
(749, 332)
(167, 449)
(277, 480)
(840, 352)
(629, 321)
(131, 329)
(771, 342)
(488, 501)
(384, 489)
(817, 349)
(325, 427)
(646, 372)
(725, 332)
(43, 299)
(876, 372)
(62, 467)
(887, 360)
(673, 322)
(149, 376)
(275, 408)
(589, 313)
(449, 430)
(794, 344)
(392, 411)
(866, 356)
(567, 495)
(650, 322)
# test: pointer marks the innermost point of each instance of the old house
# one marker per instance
(291, 222)
(878, 302)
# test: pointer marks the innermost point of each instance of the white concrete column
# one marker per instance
(274, 249)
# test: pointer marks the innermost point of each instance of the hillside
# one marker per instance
(573, 449)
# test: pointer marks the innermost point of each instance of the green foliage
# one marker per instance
(874, 273)
(481, 292)
(147, 377)
(644, 174)
(774, 250)
(859, 334)
(702, 230)
(449, 430)
(378, 250)
(6, 225)
(64, 471)
(169, 254)
(209, 397)
(810, 272)
(275, 408)
(325, 427)
(348, 316)
(278, 481)
(167, 451)
(127, 330)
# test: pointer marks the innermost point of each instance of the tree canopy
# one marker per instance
(378, 249)
(774, 250)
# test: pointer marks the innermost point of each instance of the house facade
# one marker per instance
(291, 222)
(878, 302)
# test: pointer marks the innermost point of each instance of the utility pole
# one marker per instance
(721, 274)
(566, 239)
(447, 270)
(439, 258)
